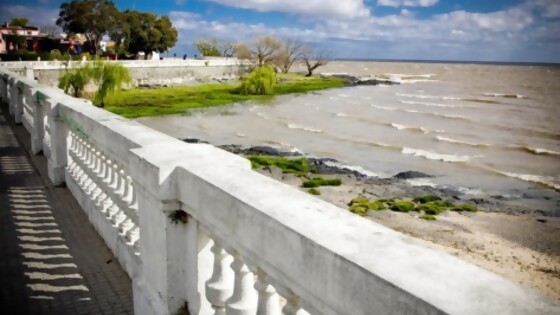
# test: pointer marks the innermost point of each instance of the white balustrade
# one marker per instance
(159, 204)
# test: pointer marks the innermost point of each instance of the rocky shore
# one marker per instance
(515, 242)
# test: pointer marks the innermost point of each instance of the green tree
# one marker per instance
(260, 81)
(208, 47)
(144, 32)
(74, 81)
(19, 22)
(92, 18)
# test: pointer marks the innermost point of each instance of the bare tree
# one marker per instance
(313, 60)
(290, 52)
(242, 51)
(227, 49)
(265, 49)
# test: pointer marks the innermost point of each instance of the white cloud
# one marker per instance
(407, 3)
(308, 8)
(509, 35)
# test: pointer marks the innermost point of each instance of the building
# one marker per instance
(19, 38)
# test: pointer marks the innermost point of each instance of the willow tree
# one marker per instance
(108, 77)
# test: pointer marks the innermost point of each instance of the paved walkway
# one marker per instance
(52, 261)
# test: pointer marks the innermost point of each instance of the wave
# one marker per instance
(421, 182)
(546, 181)
(503, 95)
(539, 151)
(309, 129)
(240, 135)
(420, 112)
(355, 168)
(433, 104)
(444, 139)
(340, 114)
(403, 127)
(447, 98)
(432, 97)
(437, 156)
(385, 107)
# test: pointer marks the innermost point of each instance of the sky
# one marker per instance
(465, 30)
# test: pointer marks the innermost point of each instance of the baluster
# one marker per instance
(125, 185)
(131, 197)
(268, 300)
(220, 286)
(244, 298)
(115, 181)
(293, 305)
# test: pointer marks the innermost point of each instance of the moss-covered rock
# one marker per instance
(402, 206)
(359, 209)
(299, 166)
(314, 192)
(465, 207)
(426, 199)
(428, 217)
(319, 181)
(431, 208)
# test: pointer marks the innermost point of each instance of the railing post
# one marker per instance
(38, 128)
(59, 133)
(13, 97)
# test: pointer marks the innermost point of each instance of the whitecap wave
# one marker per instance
(540, 151)
(546, 181)
(433, 104)
(421, 182)
(432, 97)
(309, 129)
(411, 81)
(240, 135)
(341, 115)
(445, 139)
(403, 127)
(437, 156)
(384, 107)
(355, 168)
(504, 95)
(408, 75)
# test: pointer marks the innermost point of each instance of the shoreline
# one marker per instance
(523, 246)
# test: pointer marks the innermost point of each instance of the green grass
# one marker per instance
(298, 166)
(176, 100)
(319, 181)
(402, 206)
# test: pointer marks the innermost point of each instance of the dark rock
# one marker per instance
(481, 201)
(193, 140)
(412, 174)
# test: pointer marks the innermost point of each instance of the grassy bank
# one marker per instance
(175, 100)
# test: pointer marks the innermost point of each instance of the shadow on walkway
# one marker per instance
(52, 261)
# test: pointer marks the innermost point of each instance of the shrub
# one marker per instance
(426, 198)
(465, 207)
(314, 192)
(363, 202)
(74, 80)
(402, 206)
(260, 81)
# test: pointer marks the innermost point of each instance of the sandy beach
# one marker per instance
(522, 247)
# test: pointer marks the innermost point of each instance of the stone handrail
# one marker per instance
(197, 229)
(58, 64)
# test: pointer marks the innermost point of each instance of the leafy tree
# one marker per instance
(144, 32)
(208, 47)
(313, 60)
(260, 81)
(19, 22)
(93, 18)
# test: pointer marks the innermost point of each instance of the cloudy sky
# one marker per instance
(476, 30)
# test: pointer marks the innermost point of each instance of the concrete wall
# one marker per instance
(196, 228)
(144, 72)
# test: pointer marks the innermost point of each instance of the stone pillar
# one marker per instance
(29, 73)
(59, 143)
